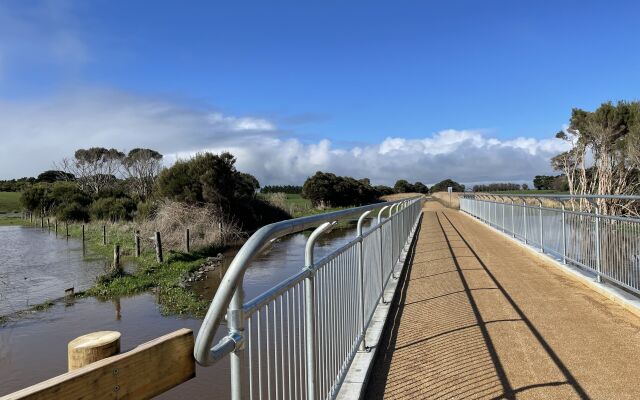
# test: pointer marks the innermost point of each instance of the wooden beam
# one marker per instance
(146, 371)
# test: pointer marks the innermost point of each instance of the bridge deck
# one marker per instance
(480, 317)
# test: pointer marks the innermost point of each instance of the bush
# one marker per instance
(112, 209)
(443, 185)
(328, 190)
(72, 212)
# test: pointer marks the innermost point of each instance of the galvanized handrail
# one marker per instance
(608, 246)
(230, 294)
(558, 196)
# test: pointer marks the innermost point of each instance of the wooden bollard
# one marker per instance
(104, 235)
(137, 243)
(158, 247)
(186, 240)
(92, 347)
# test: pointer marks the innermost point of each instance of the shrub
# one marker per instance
(327, 189)
(112, 209)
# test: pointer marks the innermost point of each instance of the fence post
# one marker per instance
(363, 344)
(513, 219)
(564, 237)
(504, 228)
(92, 347)
(524, 213)
(83, 234)
(66, 228)
(104, 235)
(41, 221)
(116, 257)
(55, 224)
(381, 254)
(136, 239)
(541, 228)
(48, 224)
(186, 241)
(598, 266)
(158, 248)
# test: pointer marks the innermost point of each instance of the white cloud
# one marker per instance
(36, 133)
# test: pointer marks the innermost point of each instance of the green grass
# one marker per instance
(9, 202)
(165, 279)
(10, 209)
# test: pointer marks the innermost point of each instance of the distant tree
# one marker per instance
(141, 167)
(95, 168)
(443, 185)
(327, 189)
(289, 189)
(420, 187)
(383, 190)
(525, 186)
(403, 186)
(496, 187)
(51, 176)
(543, 182)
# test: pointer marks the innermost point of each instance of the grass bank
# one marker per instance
(10, 209)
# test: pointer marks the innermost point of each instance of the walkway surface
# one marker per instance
(480, 317)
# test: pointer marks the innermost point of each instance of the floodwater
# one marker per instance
(36, 266)
(34, 348)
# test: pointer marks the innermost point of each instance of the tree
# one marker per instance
(141, 167)
(51, 176)
(95, 168)
(543, 182)
(525, 186)
(403, 186)
(443, 186)
(420, 187)
(328, 190)
(207, 178)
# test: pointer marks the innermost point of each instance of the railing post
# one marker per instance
(541, 228)
(363, 344)
(598, 266)
(524, 213)
(310, 319)
(235, 324)
(513, 219)
(504, 228)
(381, 254)
(564, 237)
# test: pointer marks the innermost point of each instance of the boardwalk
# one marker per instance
(481, 317)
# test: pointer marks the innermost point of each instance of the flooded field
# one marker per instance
(47, 333)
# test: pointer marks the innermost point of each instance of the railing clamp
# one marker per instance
(234, 341)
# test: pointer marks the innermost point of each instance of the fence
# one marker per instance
(298, 339)
(608, 246)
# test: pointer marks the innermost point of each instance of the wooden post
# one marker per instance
(66, 228)
(104, 235)
(48, 224)
(116, 258)
(186, 241)
(137, 243)
(55, 224)
(41, 221)
(31, 217)
(92, 347)
(158, 247)
(83, 234)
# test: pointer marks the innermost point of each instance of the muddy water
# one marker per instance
(36, 266)
(33, 349)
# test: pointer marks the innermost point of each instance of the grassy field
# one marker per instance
(530, 191)
(10, 208)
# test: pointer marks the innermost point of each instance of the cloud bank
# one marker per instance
(34, 134)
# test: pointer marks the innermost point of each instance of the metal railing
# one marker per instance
(608, 246)
(298, 339)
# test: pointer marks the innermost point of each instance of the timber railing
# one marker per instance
(606, 245)
(298, 339)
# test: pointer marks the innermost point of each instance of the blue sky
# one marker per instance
(351, 74)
